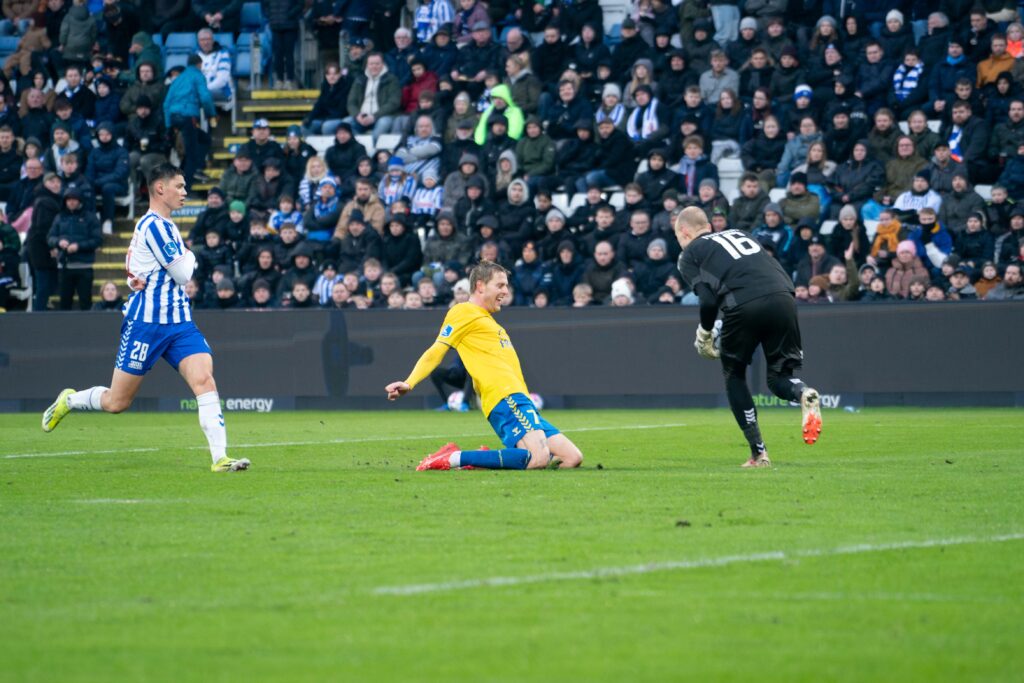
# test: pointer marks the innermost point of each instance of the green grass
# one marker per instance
(271, 575)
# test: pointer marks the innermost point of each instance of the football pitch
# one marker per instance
(891, 550)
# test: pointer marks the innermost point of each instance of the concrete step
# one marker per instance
(274, 124)
(277, 108)
(283, 94)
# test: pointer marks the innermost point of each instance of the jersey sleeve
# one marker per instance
(688, 265)
(164, 243)
(455, 326)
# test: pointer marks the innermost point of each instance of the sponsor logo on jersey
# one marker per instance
(171, 249)
(447, 331)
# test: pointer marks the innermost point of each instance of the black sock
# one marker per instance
(786, 387)
(743, 410)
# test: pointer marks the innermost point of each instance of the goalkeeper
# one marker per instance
(730, 270)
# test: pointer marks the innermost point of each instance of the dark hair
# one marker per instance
(164, 172)
(484, 272)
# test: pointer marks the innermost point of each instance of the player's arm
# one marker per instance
(430, 359)
(171, 253)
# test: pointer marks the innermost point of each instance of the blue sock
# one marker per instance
(505, 459)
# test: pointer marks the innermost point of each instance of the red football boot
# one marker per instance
(438, 460)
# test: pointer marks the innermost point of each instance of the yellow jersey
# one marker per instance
(486, 351)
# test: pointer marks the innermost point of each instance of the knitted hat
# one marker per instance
(798, 177)
(894, 14)
(556, 214)
(848, 212)
(803, 90)
(394, 161)
(225, 285)
(748, 22)
(906, 245)
(773, 207)
(657, 243)
(611, 89)
(237, 205)
(709, 182)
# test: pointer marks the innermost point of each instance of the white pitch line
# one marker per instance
(118, 501)
(368, 439)
(653, 567)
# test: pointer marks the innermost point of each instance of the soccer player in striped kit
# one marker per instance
(158, 324)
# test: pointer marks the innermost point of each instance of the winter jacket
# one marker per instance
(761, 154)
(153, 89)
(516, 121)
(389, 94)
(281, 15)
(887, 238)
(1012, 177)
(975, 247)
(882, 144)
(899, 175)
(632, 248)
(373, 213)
(526, 89)
(794, 209)
(536, 156)
(78, 34)
(151, 129)
(562, 116)
(473, 58)
(615, 157)
(942, 82)
(1006, 138)
(402, 255)
(351, 251)
(560, 278)
(600, 278)
(108, 165)
(654, 183)
(440, 249)
(341, 159)
(77, 227)
(795, 152)
(899, 276)
(332, 103)
(150, 54)
(237, 185)
(746, 213)
(187, 96)
(45, 209)
(806, 268)
(957, 206)
(527, 280)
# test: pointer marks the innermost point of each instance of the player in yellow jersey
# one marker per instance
(531, 442)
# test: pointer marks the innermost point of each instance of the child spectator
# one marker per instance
(286, 213)
(324, 286)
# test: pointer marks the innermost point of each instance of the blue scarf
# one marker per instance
(954, 62)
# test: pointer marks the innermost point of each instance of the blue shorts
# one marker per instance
(142, 344)
(514, 416)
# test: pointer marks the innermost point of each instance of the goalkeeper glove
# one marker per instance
(705, 344)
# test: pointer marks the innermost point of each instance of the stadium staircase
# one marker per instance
(281, 108)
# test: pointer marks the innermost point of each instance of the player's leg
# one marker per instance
(190, 355)
(197, 371)
(116, 399)
(743, 409)
(738, 341)
(784, 356)
(564, 451)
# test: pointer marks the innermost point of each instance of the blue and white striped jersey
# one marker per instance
(155, 245)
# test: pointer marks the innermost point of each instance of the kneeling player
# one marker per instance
(531, 442)
(158, 324)
(731, 270)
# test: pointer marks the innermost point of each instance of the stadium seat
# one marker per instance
(243, 64)
(642, 167)
(777, 194)
(934, 125)
(389, 142)
(613, 36)
(618, 200)
(904, 127)
(181, 43)
(732, 194)
(578, 200)
(180, 59)
(252, 17)
(158, 39)
(321, 143)
(244, 41)
(871, 227)
(560, 201)
(827, 227)
(366, 141)
(984, 190)
(9, 45)
(730, 165)
(226, 40)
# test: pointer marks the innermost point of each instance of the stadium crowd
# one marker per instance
(860, 115)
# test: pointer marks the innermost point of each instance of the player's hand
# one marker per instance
(136, 284)
(397, 389)
(705, 344)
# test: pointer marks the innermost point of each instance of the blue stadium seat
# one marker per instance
(181, 43)
(244, 41)
(614, 35)
(158, 39)
(242, 64)
(9, 44)
(226, 40)
(252, 17)
(179, 59)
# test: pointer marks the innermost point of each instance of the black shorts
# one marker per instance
(769, 321)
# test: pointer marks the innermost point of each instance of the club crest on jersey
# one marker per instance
(171, 249)
(447, 331)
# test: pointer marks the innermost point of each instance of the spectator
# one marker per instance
(909, 90)
(960, 287)
(798, 202)
(76, 236)
(975, 245)
(78, 33)
(479, 55)
(571, 106)
(615, 158)
(331, 105)
(322, 215)
(186, 98)
(524, 86)
(34, 39)
(45, 210)
(110, 298)
(968, 138)
(369, 205)
(603, 271)
(502, 107)
(1012, 177)
(946, 74)
(341, 157)
(439, 54)
(282, 17)
(918, 196)
(960, 203)
(622, 293)
(237, 181)
(107, 170)
(535, 154)
(905, 267)
(815, 262)
(374, 99)
(795, 152)
(718, 78)
(24, 191)
(1011, 288)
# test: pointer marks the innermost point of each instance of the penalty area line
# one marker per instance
(680, 565)
(327, 442)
